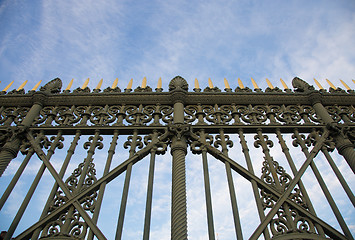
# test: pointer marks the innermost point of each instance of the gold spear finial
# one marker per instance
(99, 84)
(283, 84)
(240, 83)
(226, 84)
(69, 85)
(114, 84)
(144, 82)
(8, 86)
(331, 84)
(36, 86)
(269, 83)
(318, 84)
(210, 84)
(129, 86)
(22, 85)
(353, 81)
(159, 83)
(345, 85)
(85, 83)
(254, 83)
(197, 86)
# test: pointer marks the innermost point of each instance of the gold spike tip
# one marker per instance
(226, 84)
(283, 84)
(36, 86)
(99, 84)
(159, 83)
(114, 84)
(210, 84)
(331, 84)
(353, 80)
(144, 82)
(345, 85)
(197, 86)
(129, 86)
(22, 85)
(318, 84)
(8, 86)
(85, 83)
(254, 83)
(269, 84)
(69, 85)
(240, 83)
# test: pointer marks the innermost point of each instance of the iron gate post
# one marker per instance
(11, 148)
(178, 88)
(342, 143)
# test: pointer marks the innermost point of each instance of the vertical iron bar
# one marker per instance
(336, 171)
(30, 192)
(15, 178)
(148, 205)
(259, 204)
(324, 188)
(61, 174)
(206, 179)
(100, 196)
(285, 150)
(236, 218)
(126, 188)
(339, 176)
(269, 159)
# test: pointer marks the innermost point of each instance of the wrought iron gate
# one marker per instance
(208, 123)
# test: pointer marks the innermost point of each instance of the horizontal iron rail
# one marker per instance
(242, 98)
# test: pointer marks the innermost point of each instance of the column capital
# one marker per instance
(178, 88)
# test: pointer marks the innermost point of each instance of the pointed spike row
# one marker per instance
(99, 84)
(331, 84)
(22, 85)
(114, 84)
(8, 86)
(254, 83)
(283, 84)
(159, 83)
(345, 85)
(36, 86)
(318, 84)
(129, 86)
(210, 84)
(197, 86)
(226, 84)
(269, 84)
(69, 85)
(85, 83)
(240, 83)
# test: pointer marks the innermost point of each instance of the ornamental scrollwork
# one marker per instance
(255, 114)
(218, 114)
(224, 142)
(160, 145)
(133, 141)
(69, 225)
(136, 115)
(199, 140)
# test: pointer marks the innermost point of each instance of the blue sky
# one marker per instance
(194, 39)
(42, 40)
